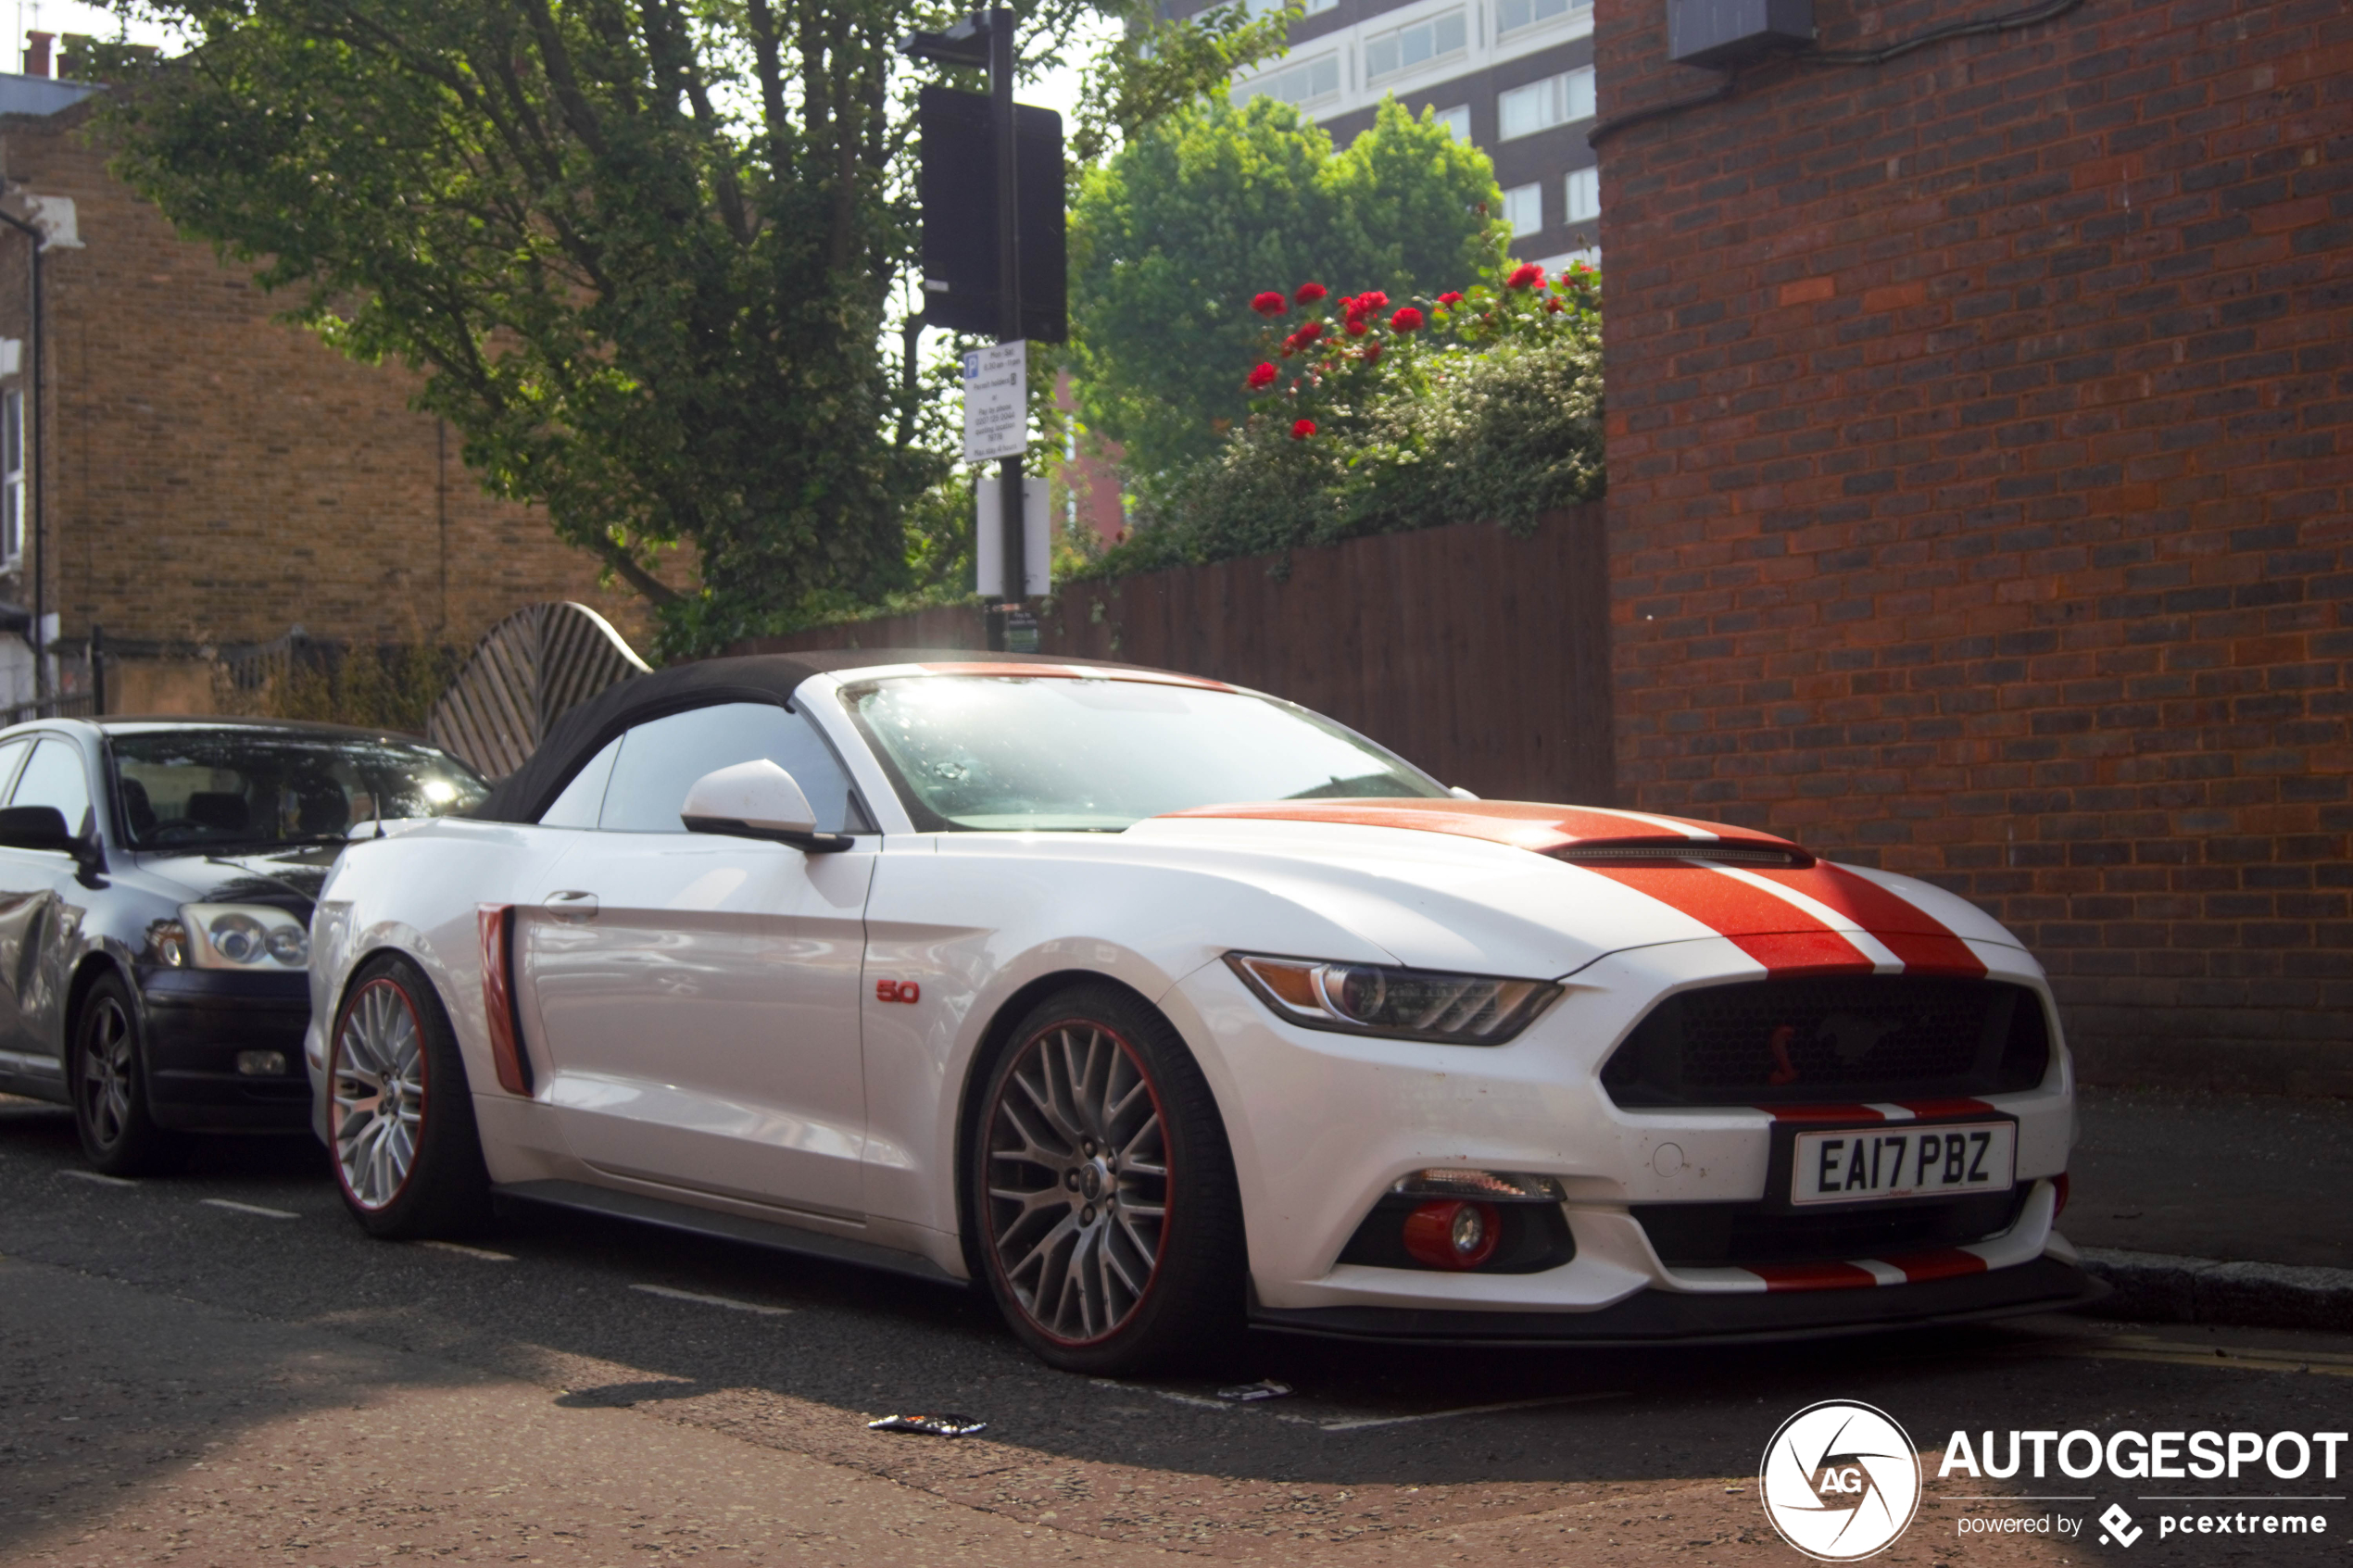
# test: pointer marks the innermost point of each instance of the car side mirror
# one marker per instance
(757, 799)
(36, 827)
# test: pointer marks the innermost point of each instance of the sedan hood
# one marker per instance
(286, 876)
(1516, 887)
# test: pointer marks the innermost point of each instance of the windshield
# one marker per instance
(990, 753)
(191, 788)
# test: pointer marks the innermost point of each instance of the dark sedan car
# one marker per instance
(156, 885)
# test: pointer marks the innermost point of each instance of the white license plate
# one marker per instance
(1851, 1164)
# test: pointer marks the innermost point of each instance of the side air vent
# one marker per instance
(1683, 852)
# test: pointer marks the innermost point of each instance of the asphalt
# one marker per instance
(220, 1368)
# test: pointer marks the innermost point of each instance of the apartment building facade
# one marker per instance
(1512, 77)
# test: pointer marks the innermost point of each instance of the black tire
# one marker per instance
(1062, 1258)
(107, 1073)
(401, 1122)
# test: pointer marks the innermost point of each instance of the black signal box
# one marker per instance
(957, 182)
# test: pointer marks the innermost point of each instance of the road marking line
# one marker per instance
(250, 1209)
(728, 1301)
(459, 1247)
(2287, 1360)
(1364, 1424)
(1176, 1399)
(102, 1181)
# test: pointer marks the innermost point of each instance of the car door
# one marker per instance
(697, 995)
(41, 900)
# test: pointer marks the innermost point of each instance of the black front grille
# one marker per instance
(1839, 1037)
(1697, 1235)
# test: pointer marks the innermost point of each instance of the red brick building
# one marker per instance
(1980, 446)
(213, 477)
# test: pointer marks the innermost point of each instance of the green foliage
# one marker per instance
(1158, 67)
(387, 688)
(1210, 204)
(642, 250)
(1490, 410)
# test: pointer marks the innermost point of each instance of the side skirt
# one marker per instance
(662, 1214)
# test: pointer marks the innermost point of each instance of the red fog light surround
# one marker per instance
(1452, 1234)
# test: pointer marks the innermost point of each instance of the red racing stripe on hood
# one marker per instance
(1522, 825)
(1774, 931)
(1926, 945)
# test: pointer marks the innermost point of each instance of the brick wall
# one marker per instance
(1979, 465)
(216, 477)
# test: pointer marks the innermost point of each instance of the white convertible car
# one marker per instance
(1162, 1005)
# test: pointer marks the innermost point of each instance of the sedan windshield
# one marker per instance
(194, 788)
(1016, 754)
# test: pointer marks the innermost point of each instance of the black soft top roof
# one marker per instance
(576, 737)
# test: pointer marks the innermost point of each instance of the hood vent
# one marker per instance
(1682, 851)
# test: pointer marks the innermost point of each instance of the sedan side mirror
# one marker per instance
(757, 799)
(43, 827)
(36, 827)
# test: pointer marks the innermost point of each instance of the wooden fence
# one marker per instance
(1481, 656)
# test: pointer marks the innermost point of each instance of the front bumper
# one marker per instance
(197, 1020)
(1323, 1124)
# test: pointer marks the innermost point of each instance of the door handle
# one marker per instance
(572, 908)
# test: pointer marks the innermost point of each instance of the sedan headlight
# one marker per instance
(1401, 1004)
(238, 936)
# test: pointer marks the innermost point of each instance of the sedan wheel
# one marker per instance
(107, 1078)
(1103, 1188)
(379, 1094)
(400, 1118)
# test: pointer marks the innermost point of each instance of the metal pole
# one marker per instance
(35, 460)
(1000, 110)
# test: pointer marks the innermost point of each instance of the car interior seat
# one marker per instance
(218, 810)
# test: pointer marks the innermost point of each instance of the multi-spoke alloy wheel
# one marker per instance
(378, 1088)
(1100, 1204)
(399, 1120)
(107, 1076)
(108, 1062)
(1079, 1181)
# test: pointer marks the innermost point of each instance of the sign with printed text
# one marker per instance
(997, 402)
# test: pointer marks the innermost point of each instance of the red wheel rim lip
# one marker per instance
(1160, 1245)
(335, 1113)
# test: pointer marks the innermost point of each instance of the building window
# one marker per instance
(1540, 105)
(1584, 194)
(1415, 45)
(1301, 83)
(1513, 15)
(1457, 120)
(11, 477)
(1524, 209)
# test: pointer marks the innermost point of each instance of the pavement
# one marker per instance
(2216, 1209)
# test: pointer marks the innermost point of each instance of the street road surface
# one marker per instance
(220, 1368)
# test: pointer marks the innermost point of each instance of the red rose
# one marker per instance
(1372, 353)
(1303, 430)
(1308, 332)
(1309, 293)
(1373, 301)
(1449, 297)
(1526, 275)
(1407, 319)
(1356, 327)
(1552, 307)
(1270, 303)
(1262, 378)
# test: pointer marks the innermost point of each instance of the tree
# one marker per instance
(1207, 207)
(641, 249)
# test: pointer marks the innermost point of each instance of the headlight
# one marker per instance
(1404, 1004)
(242, 936)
